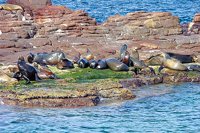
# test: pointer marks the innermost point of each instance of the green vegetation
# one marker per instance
(69, 79)
(78, 75)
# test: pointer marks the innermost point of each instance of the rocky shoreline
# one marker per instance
(42, 27)
(68, 93)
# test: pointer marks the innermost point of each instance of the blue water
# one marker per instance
(174, 108)
(102, 9)
(162, 108)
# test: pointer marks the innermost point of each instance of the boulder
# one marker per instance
(30, 5)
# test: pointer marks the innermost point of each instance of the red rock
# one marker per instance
(31, 4)
(196, 18)
(6, 44)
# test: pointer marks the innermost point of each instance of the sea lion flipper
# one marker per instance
(152, 70)
(27, 79)
(37, 78)
(160, 68)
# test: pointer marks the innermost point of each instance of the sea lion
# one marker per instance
(171, 63)
(139, 65)
(65, 64)
(116, 65)
(26, 71)
(93, 64)
(182, 58)
(44, 72)
(196, 58)
(193, 66)
(135, 53)
(10, 7)
(83, 63)
(154, 60)
(102, 64)
(124, 55)
(89, 56)
(123, 49)
(46, 58)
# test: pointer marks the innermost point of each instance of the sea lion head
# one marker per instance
(164, 55)
(76, 58)
(65, 64)
(21, 58)
(123, 50)
(30, 57)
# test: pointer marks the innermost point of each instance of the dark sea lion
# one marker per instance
(93, 64)
(182, 58)
(65, 64)
(102, 64)
(46, 58)
(116, 65)
(193, 66)
(26, 71)
(172, 63)
(83, 63)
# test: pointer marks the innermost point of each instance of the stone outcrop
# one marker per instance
(141, 25)
(30, 5)
(61, 21)
(48, 28)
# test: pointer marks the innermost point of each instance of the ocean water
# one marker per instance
(102, 9)
(160, 108)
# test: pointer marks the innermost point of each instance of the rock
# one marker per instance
(40, 97)
(196, 18)
(6, 44)
(30, 5)
(9, 70)
(5, 79)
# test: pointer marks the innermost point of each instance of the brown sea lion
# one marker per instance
(44, 72)
(10, 7)
(135, 53)
(137, 63)
(171, 63)
(196, 58)
(154, 60)
(116, 65)
(89, 56)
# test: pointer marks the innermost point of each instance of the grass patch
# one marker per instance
(79, 75)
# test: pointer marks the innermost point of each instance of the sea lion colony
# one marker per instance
(37, 66)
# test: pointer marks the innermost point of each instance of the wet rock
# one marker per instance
(41, 97)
